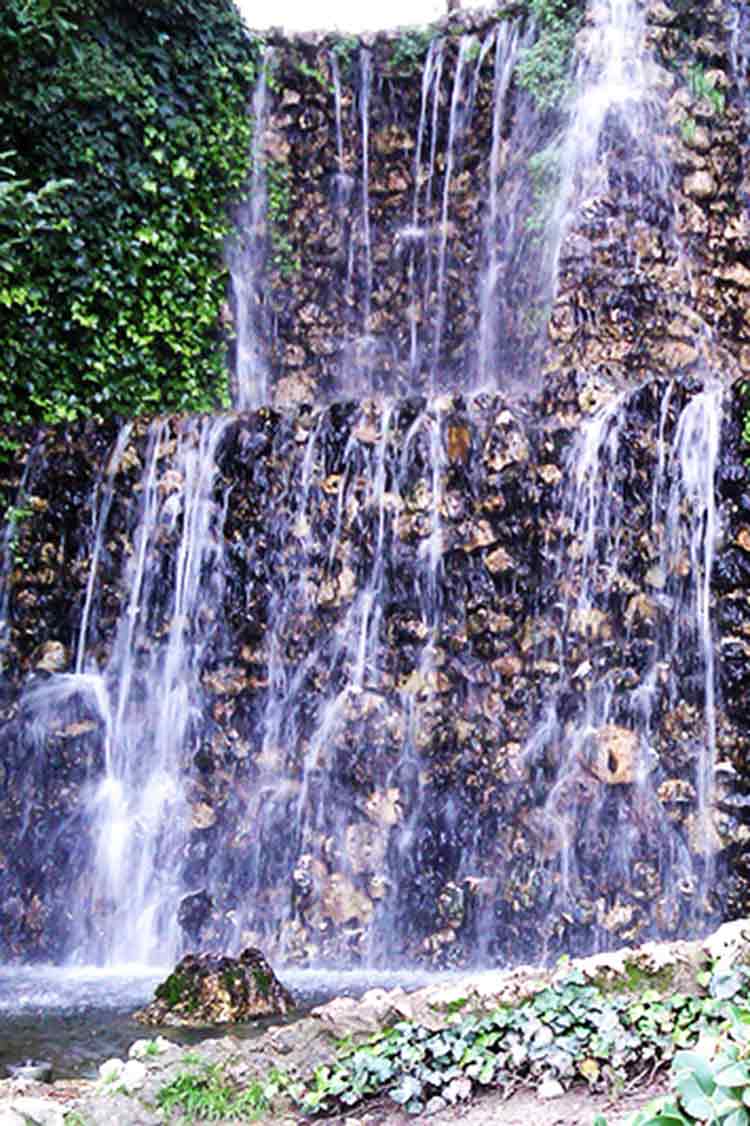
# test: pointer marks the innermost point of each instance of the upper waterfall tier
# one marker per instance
(423, 207)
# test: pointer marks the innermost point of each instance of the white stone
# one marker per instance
(550, 1089)
(11, 1117)
(35, 1112)
(132, 1075)
(110, 1070)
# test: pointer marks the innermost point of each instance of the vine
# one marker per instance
(124, 135)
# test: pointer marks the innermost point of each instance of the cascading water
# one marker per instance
(146, 701)
(402, 679)
(602, 813)
(247, 258)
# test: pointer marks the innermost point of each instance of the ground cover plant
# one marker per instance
(571, 1031)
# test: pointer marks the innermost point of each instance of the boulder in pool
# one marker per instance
(206, 989)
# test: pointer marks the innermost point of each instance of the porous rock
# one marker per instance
(205, 989)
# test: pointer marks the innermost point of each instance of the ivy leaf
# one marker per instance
(407, 1090)
(694, 1099)
(698, 1069)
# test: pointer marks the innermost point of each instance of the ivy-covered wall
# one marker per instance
(124, 134)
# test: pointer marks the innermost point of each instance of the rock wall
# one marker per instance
(370, 767)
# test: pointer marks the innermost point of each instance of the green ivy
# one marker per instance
(125, 136)
(278, 190)
(409, 50)
(571, 1031)
(543, 67)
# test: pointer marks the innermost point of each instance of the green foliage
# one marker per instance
(703, 87)
(125, 134)
(203, 1094)
(709, 1084)
(16, 517)
(542, 68)
(344, 50)
(314, 73)
(409, 50)
(570, 1031)
(279, 196)
(688, 127)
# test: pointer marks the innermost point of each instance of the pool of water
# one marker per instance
(78, 1017)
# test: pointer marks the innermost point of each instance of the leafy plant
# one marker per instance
(570, 1031)
(688, 128)
(126, 134)
(344, 50)
(710, 1084)
(314, 73)
(409, 50)
(703, 86)
(542, 68)
(204, 1094)
(278, 190)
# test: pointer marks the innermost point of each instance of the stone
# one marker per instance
(342, 902)
(498, 561)
(699, 185)
(737, 274)
(458, 442)
(11, 1117)
(202, 816)
(29, 1111)
(550, 474)
(616, 754)
(206, 989)
(550, 1089)
(676, 354)
(51, 656)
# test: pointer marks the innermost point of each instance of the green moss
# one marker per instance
(174, 989)
(633, 978)
(262, 981)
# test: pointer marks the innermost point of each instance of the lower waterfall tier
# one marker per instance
(440, 681)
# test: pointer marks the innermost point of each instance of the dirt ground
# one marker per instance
(577, 1107)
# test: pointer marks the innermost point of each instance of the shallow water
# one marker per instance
(77, 1018)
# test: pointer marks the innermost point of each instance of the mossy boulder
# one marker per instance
(206, 989)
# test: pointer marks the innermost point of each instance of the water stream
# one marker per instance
(247, 254)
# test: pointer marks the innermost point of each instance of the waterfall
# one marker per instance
(506, 50)
(421, 668)
(611, 83)
(602, 812)
(413, 237)
(146, 701)
(247, 255)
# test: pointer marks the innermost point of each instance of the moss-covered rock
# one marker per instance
(215, 989)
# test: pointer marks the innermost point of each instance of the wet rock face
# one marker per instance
(205, 989)
(372, 767)
(433, 719)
